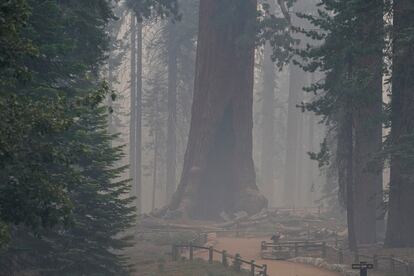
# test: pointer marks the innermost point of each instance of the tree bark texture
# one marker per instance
(401, 204)
(368, 130)
(218, 173)
(345, 166)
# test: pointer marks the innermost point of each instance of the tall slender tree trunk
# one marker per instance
(296, 80)
(110, 102)
(310, 164)
(138, 121)
(172, 111)
(218, 173)
(154, 171)
(133, 103)
(268, 126)
(135, 128)
(300, 168)
(401, 204)
(350, 205)
(368, 128)
(345, 163)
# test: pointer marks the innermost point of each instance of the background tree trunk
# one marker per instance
(138, 121)
(218, 172)
(133, 97)
(368, 130)
(268, 126)
(401, 204)
(310, 195)
(155, 171)
(296, 79)
(135, 124)
(345, 163)
(172, 110)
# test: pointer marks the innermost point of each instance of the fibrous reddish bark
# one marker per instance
(218, 173)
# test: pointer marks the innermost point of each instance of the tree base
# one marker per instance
(247, 200)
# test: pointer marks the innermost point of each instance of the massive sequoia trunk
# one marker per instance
(218, 173)
(401, 205)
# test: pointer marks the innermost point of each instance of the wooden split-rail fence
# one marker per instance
(228, 260)
(293, 249)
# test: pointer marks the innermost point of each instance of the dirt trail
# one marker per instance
(250, 249)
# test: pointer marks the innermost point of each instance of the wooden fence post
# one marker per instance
(237, 263)
(392, 263)
(407, 269)
(174, 253)
(296, 249)
(324, 250)
(264, 270)
(252, 268)
(340, 256)
(375, 261)
(224, 258)
(191, 251)
(356, 257)
(410, 269)
(210, 254)
(264, 246)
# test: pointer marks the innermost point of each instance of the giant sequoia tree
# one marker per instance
(218, 173)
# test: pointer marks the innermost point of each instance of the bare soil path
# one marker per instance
(249, 248)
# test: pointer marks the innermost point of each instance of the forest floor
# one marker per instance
(150, 256)
(249, 249)
(152, 249)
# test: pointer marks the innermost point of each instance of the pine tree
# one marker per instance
(352, 87)
(67, 188)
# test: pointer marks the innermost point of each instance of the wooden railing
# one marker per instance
(293, 248)
(385, 263)
(328, 248)
(225, 258)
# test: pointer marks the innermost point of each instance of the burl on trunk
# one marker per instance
(218, 173)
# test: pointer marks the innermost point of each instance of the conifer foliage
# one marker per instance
(63, 200)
